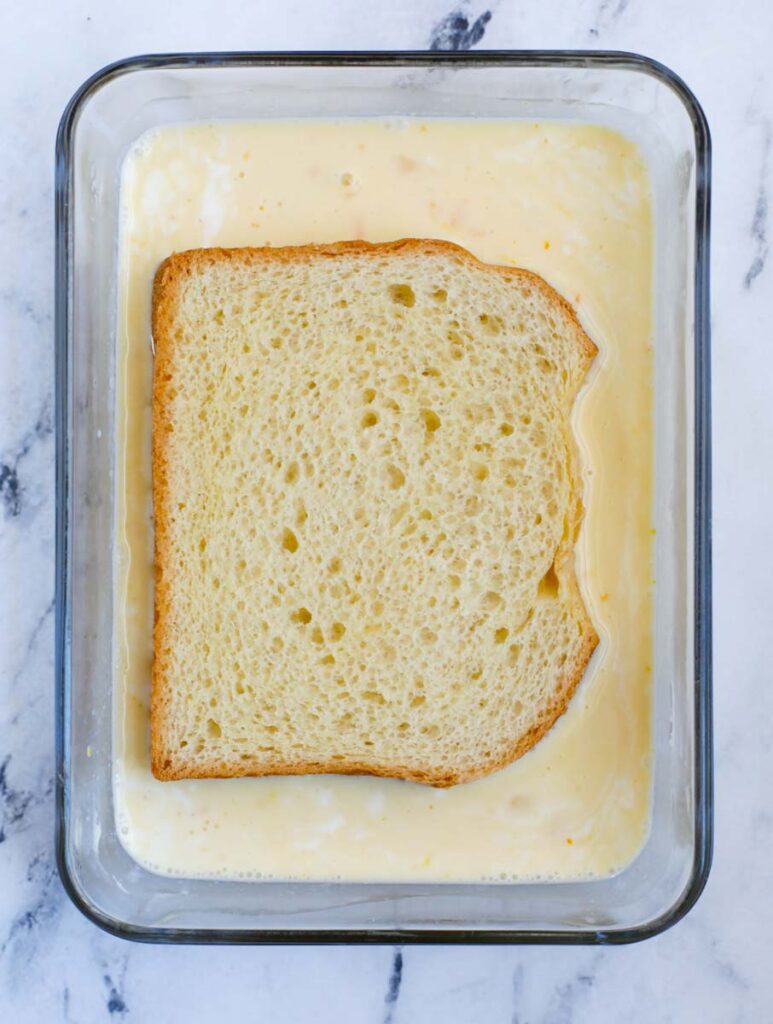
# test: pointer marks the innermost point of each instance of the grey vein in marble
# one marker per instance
(116, 1000)
(454, 31)
(568, 995)
(32, 643)
(11, 482)
(517, 985)
(25, 307)
(759, 227)
(726, 969)
(21, 942)
(15, 801)
(393, 986)
(607, 15)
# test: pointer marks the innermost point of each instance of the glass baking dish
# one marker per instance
(632, 94)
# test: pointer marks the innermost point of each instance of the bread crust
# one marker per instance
(169, 278)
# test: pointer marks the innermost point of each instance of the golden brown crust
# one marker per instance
(165, 294)
(182, 264)
(166, 291)
(525, 742)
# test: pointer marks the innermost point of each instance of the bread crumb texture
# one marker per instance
(366, 503)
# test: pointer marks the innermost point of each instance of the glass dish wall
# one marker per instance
(625, 92)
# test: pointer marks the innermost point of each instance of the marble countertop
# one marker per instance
(716, 964)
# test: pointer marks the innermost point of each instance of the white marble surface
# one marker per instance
(715, 965)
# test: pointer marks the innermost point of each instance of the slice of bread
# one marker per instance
(366, 504)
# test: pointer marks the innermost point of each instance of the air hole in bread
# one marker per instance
(402, 295)
(374, 697)
(431, 420)
(548, 586)
(289, 541)
(493, 324)
(337, 631)
(395, 476)
(472, 505)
